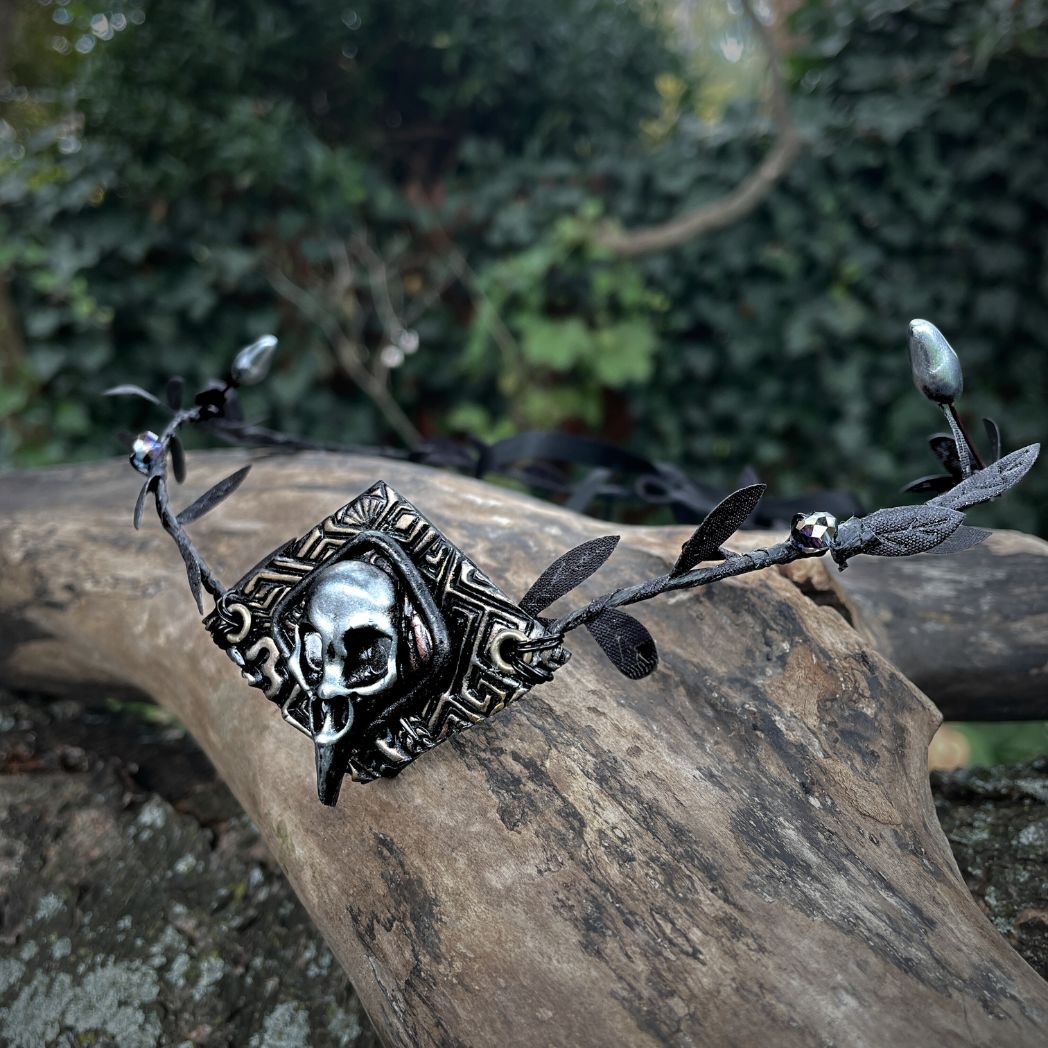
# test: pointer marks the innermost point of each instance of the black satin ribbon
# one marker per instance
(584, 474)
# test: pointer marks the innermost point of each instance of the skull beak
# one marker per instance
(332, 764)
(329, 718)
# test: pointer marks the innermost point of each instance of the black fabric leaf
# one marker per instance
(719, 525)
(935, 482)
(193, 574)
(944, 448)
(995, 479)
(132, 391)
(963, 538)
(213, 496)
(190, 558)
(905, 530)
(178, 458)
(174, 391)
(140, 502)
(626, 642)
(993, 433)
(567, 572)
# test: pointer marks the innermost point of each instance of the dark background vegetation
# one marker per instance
(410, 193)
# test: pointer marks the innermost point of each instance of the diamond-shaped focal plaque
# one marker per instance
(378, 638)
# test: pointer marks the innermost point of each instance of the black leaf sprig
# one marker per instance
(944, 448)
(151, 453)
(936, 526)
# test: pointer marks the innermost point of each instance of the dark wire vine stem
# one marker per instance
(169, 520)
(967, 454)
(935, 527)
(731, 566)
(734, 564)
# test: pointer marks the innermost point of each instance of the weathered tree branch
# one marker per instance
(746, 196)
(740, 850)
(967, 629)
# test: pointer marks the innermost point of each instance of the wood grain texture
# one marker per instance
(741, 849)
(970, 630)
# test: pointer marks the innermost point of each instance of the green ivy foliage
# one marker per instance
(151, 187)
(918, 195)
(554, 360)
(154, 189)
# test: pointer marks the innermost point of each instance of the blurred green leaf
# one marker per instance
(1006, 743)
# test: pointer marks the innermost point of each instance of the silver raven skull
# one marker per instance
(345, 644)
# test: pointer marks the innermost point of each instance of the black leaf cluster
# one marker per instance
(626, 642)
(944, 448)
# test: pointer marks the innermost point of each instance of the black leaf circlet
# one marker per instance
(378, 638)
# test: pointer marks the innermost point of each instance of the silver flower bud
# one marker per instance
(251, 364)
(936, 369)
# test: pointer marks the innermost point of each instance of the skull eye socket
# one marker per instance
(367, 654)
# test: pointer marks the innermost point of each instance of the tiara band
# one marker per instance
(378, 638)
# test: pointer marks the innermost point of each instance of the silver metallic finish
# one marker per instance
(814, 531)
(251, 364)
(936, 369)
(345, 644)
(378, 638)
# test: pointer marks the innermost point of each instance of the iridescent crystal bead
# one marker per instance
(814, 530)
(145, 451)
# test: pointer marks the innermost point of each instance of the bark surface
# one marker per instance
(971, 631)
(740, 849)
